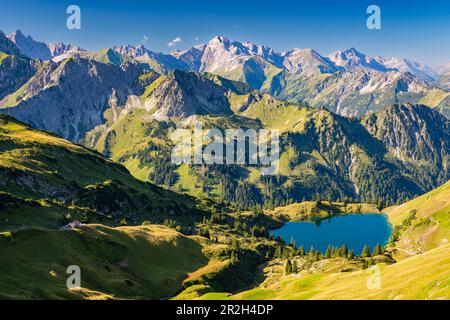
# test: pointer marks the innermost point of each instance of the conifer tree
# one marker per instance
(337, 252)
(317, 256)
(288, 268)
(364, 264)
(328, 253)
(366, 251)
(344, 250)
(235, 245)
(291, 253)
(294, 266)
(277, 253)
(377, 250)
(233, 257)
(311, 251)
(292, 243)
(351, 254)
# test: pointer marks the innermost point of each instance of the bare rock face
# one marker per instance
(307, 62)
(414, 133)
(354, 93)
(68, 98)
(29, 47)
(183, 94)
(40, 50)
(159, 62)
(191, 57)
(15, 69)
(346, 82)
(353, 59)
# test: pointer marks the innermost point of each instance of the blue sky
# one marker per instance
(418, 30)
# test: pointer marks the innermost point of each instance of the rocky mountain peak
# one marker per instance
(183, 94)
(40, 50)
(7, 46)
(352, 59)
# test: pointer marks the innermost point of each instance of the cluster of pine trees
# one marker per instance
(288, 253)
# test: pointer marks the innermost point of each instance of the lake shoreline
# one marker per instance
(355, 230)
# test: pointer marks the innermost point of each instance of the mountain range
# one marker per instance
(40, 50)
(87, 177)
(347, 82)
(124, 101)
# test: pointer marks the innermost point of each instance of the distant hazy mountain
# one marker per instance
(419, 70)
(191, 57)
(347, 82)
(158, 62)
(353, 93)
(353, 59)
(307, 62)
(40, 50)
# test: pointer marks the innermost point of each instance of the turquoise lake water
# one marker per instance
(355, 230)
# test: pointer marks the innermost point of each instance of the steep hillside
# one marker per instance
(422, 223)
(59, 202)
(148, 262)
(159, 62)
(417, 137)
(68, 98)
(307, 62)
(322, 155)
(76, 183)
(106, 55)
(352, 93)
(422, 277)
(353, 59)
(419, 244)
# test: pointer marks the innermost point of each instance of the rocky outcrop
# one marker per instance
(68, 98)
(15, 69)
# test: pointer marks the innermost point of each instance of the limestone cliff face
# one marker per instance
(185, 94)
(15, 69)
(68, 98)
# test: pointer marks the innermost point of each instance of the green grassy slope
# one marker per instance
(424, 276)
(107, 55)
(422, 223)
(419, 274)
(48, 182)
(125, 262)
(318, 210)
(75, 180)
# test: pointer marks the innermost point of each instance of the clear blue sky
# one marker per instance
(418, 30)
